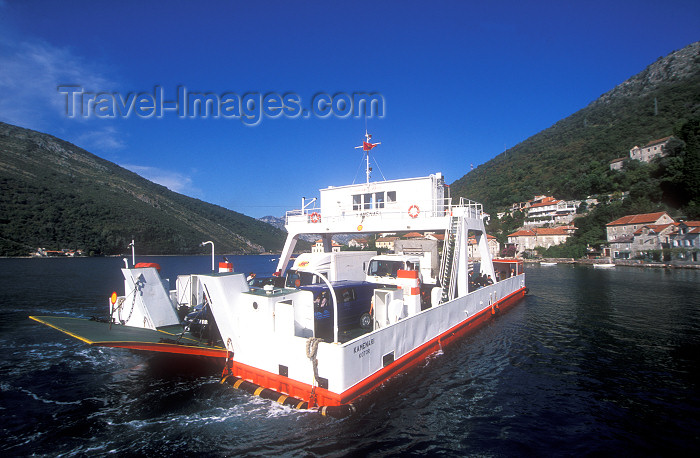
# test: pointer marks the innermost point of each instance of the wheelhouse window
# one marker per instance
(357, 202)
(373, 200)
(379, 200)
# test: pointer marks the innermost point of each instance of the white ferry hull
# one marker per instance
(355, 368)
(274, 346)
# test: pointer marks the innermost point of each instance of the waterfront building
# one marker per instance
(620, 247)
(545, 237)
(685, 241)
(318, 247)
(473, 248)
(386, 242)
(652, 237)
(361, 243)
(628, 225)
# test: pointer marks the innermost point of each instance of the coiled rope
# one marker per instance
(311, 349)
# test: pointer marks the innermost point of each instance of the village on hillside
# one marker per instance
(548, 222)
(650, 236)
(64, 252)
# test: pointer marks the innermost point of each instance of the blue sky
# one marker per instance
(460, 82)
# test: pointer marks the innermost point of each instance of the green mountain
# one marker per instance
(571, 158)
(56, 195)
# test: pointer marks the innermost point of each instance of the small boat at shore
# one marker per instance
(290, 342)
(548, 264)
(603, 265)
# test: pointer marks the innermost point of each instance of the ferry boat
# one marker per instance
(422, 299)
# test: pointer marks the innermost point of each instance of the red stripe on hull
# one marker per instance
(324, 397)
(167, 348)
(285, 385)
(419, 354)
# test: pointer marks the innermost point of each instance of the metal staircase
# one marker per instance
(448, 266)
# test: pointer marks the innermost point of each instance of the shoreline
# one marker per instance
(139, 255)
(623, 263)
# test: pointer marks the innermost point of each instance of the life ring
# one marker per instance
(413, 211)
(315, 217)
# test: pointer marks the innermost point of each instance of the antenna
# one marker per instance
(366, 147)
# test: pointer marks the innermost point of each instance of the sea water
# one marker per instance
(592, 361)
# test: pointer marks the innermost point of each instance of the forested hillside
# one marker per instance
(571, 158)
(56, 195)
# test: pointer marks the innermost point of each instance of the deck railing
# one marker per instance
(439, 208)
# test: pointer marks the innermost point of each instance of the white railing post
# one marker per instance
(335, 302)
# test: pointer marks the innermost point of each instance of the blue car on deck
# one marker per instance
(354, 302)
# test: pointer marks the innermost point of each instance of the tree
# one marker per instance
(689, 133)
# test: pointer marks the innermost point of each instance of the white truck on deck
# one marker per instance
(420, 255)
(342, 265)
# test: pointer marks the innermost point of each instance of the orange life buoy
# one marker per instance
(315, 217)
(413, 211)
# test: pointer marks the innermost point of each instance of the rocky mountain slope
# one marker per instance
(571, 158)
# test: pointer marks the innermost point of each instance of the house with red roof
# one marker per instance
(435, 236)
(545, 237)
(548, 210)
(651, 237)
(317, 247)
(473, 249)
(639, 235)
(628, 225)
(541, 210)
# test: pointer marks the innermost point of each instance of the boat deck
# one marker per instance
(168, 339)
